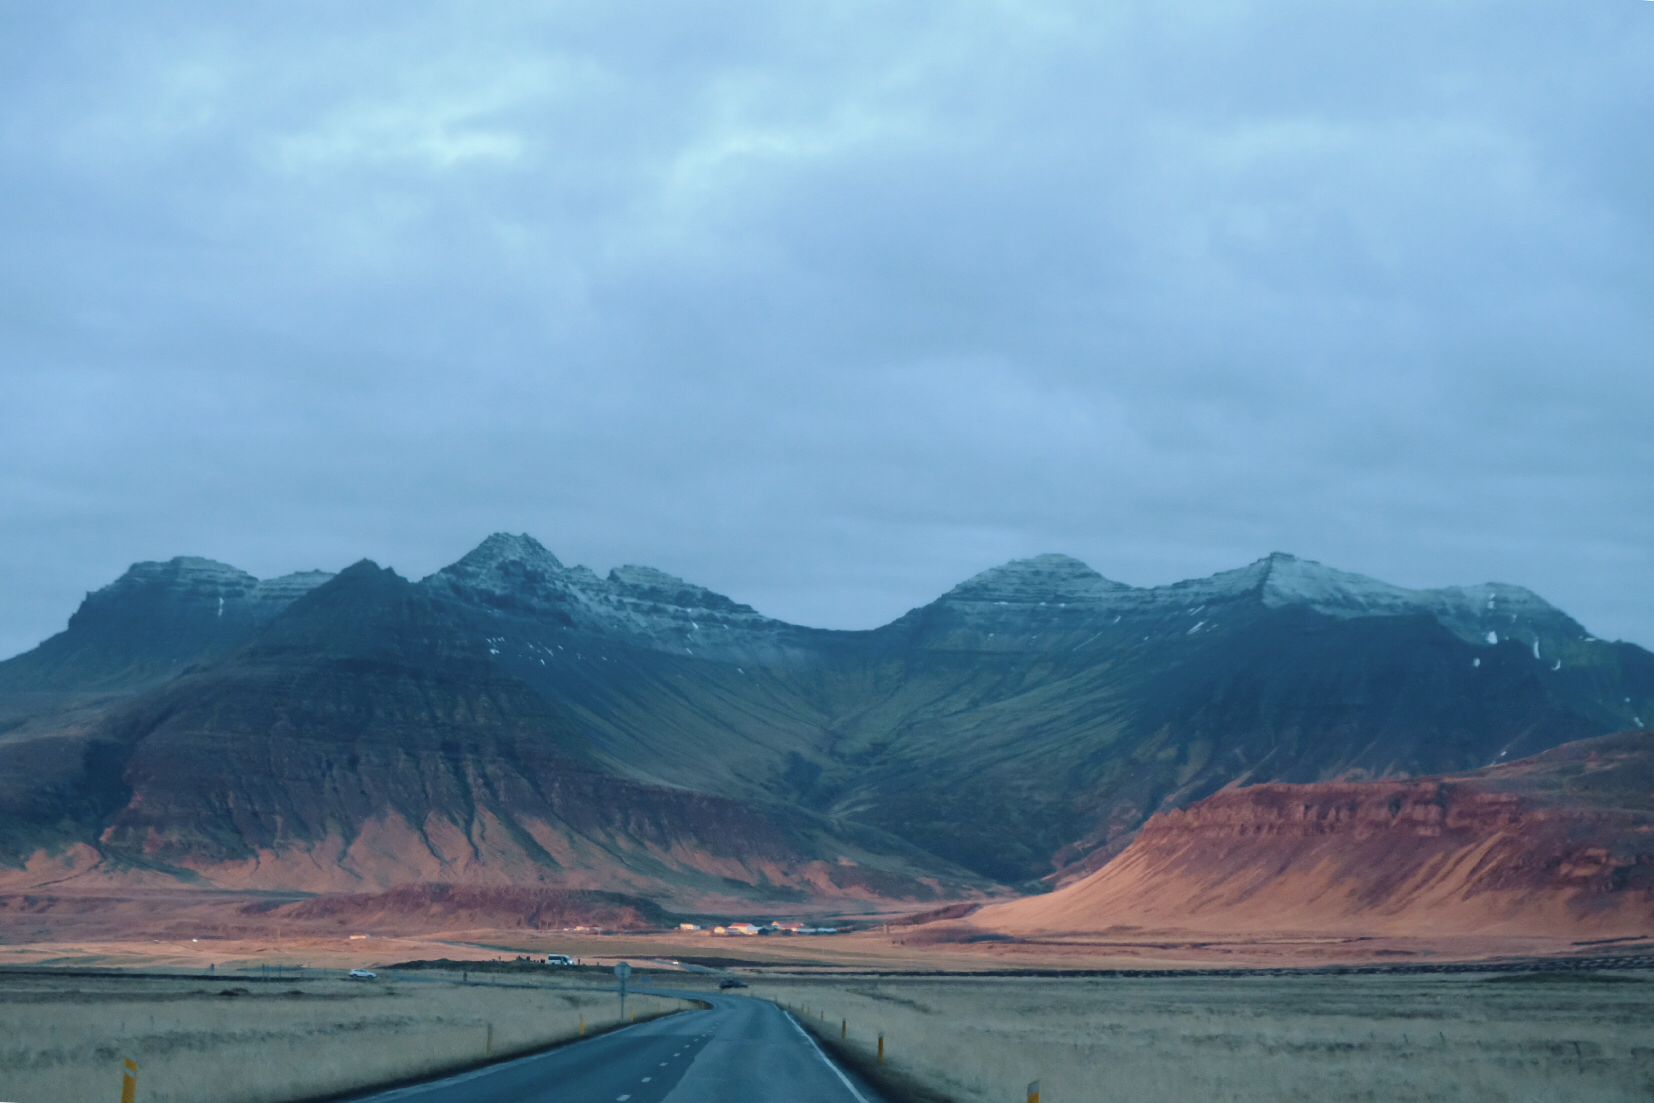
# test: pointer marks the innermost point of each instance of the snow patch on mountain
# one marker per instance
(1031, 592)
(188, 581)
(1477, 614)
(642, 606)
(1042, 580)
(1003, 607)
(279, 593)
(154, 620)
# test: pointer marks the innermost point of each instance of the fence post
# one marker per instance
(844, 1028)
(129, 1081)
(582, 1023)
(881, 1047)
(1033, 1092)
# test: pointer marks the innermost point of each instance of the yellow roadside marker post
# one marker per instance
(881, 1047)
(844, 1028)
(129, 1081)
(582, 1024)
(1033, 1092)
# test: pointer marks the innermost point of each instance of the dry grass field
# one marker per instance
(1327, 1038)
(231, 1039)
(1469, 1038)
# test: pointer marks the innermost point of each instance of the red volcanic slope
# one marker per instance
(1557, 844)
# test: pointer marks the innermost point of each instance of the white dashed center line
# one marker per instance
(622, 1098)
(646, 1079)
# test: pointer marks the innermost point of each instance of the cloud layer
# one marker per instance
(830, 306)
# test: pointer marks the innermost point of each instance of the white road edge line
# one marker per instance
(828, 1061)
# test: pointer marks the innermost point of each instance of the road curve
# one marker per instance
(745, 1050)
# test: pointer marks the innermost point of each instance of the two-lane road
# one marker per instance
(743, 1049)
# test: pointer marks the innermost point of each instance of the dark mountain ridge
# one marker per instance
(512, 720)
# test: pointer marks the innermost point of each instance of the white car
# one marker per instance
(559, 959)
(363, 974)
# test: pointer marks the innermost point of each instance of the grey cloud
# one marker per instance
(830, 309)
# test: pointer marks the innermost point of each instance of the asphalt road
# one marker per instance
(742, 1051)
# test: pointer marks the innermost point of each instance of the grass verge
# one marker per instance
(238, 1039)
(894, 1085)
(1308, 1039)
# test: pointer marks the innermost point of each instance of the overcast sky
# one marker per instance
(829, 306)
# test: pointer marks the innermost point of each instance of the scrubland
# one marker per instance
(228, 1039)
(1473, 1038)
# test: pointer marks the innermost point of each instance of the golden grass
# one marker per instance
(62, 1039)
(1558, 1037)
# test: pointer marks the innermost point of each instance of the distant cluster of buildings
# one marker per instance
(768, 928)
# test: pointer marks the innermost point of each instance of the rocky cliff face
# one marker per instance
(1559, 843)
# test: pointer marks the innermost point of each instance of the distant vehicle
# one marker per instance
(559, 959)
(731, 982)
(363, 974)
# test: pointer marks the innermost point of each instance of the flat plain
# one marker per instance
(1566, 1034)
(227, 1038)
(1486, 1038)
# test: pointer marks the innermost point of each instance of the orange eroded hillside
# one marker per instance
(1558, 845)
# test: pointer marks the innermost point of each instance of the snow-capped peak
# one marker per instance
(191, 585)
(1277, 580)
(1470, 612)
(1044, 578)
(1289, 580)
(505, 547)
(647, 607)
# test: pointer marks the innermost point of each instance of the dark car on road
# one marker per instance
(731, 982)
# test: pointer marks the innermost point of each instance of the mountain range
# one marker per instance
(512, 721)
